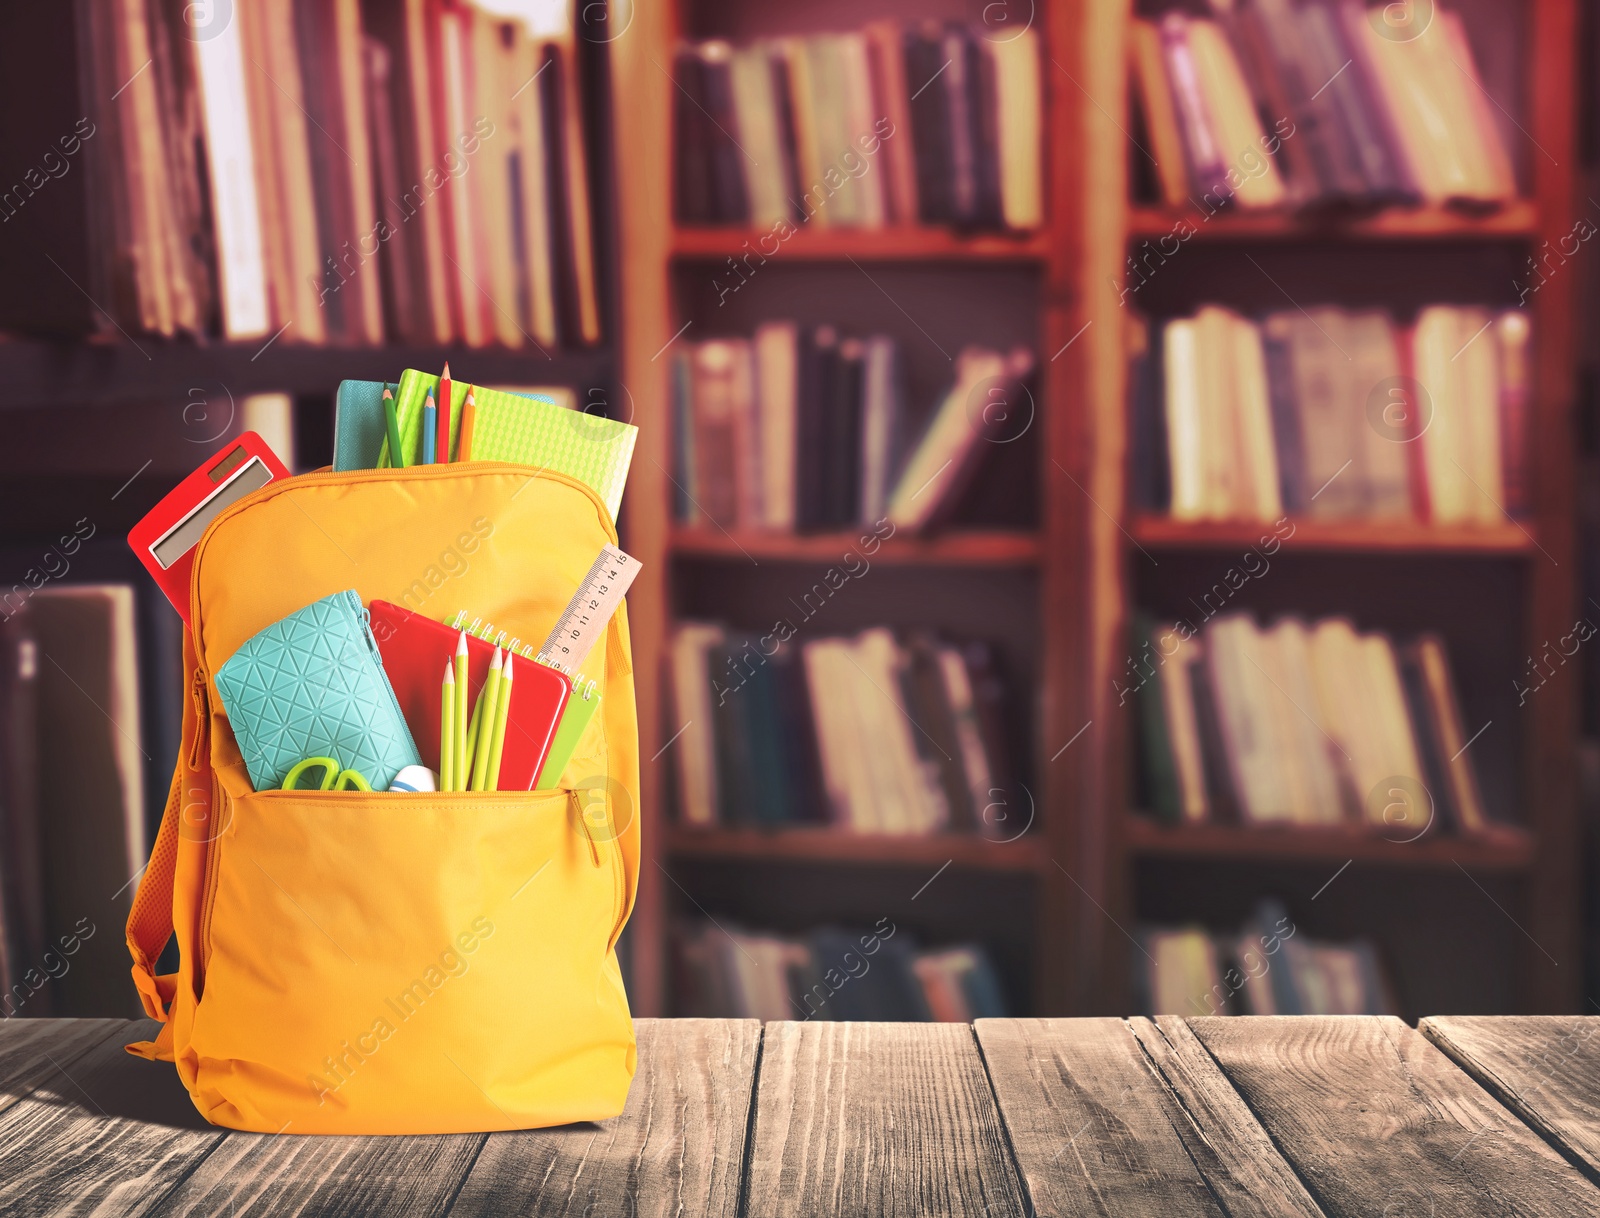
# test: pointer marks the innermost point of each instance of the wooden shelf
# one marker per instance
(876, 244)
(1027, 854)
(1351, 536)
(1513, 220)
(38, 372)
(989, 548)
(1511, 850)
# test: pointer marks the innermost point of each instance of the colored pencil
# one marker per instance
(428, 414)
(392, 423)
(462, 759)
(488, 701)
(469, 414)
(497, 739)
(447, 730)
(446, 405)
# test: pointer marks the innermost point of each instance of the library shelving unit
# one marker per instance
(1465, 924)
(1010, 581)
(1483, 925)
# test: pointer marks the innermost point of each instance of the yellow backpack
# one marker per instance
(383, 963)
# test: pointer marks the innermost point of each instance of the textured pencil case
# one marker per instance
(313, 685)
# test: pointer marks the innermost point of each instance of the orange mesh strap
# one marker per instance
(150, 920)
(157, 1050)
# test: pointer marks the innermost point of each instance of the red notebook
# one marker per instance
(414, 650)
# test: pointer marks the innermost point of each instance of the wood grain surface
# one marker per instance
(1377, 1121)
(32, 1051)
(1293, 1117)
(677, 1148)
(1234, 1153)
(1092, 1127)
(107, 1133)
(1545, 1068)
(260, 1173)
(870, 1119)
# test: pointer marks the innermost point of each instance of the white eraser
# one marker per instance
(415, 778)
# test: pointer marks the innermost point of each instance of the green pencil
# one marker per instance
(487, 702)
(463, 759)
(502, 713)
(447, 730)
(392, 422)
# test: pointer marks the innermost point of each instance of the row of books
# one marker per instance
(1334, 413)
(1269, 967)
(1301, 724)
(800, 429)
(347, 172)
(870, 733)
(933, 124)
(1315, 102)
(724, 971)
(76, 730)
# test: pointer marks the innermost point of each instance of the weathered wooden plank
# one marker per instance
(1545, 1068)
(1091, 1125)
(1232, 1150)
(677, 1148)
(288, 1174)
(32, 1051)
(107, 1133)
(870, 1119)
(1376, 1120)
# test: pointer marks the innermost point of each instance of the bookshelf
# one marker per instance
(1094, 864)
(1496, 593)
(799, 877)
(1351, 537)
(1516, 219)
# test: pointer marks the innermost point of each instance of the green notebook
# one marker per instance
(526, 431)
(575, 718)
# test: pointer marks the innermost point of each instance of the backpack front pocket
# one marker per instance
(385, 963)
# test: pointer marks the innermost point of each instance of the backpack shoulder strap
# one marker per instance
(150, 920)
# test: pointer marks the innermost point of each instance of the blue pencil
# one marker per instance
(430, 414)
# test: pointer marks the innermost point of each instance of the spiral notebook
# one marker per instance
(415, 650)
(525, 430)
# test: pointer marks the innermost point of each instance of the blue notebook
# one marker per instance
(358, 429)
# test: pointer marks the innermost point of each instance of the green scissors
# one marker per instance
(333, 777)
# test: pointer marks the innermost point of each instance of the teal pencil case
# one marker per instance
(358, 424)
(313, 685)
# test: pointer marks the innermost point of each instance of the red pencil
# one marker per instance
(443, 444)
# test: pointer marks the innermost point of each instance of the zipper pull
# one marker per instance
(580, 815)
(364, 616)
(201, 717)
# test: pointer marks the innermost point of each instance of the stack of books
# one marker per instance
(1335, 413)
(879, 974)
(1269, 967)
(77, 730)
(1278, 102)
(336, 172)
(935, 124)
(1301, 724)
(800, 429)
(871, 734)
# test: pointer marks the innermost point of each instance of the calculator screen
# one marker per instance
(181, 538)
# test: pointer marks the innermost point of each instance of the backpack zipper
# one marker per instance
(209, 897)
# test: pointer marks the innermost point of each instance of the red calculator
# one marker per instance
(165, 539)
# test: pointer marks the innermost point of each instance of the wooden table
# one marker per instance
(1261, 1117)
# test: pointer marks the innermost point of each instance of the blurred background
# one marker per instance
(1115, 488)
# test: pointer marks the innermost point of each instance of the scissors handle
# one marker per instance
(333, 777)
(330, 769)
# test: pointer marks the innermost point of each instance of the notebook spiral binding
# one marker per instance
(581, 686)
